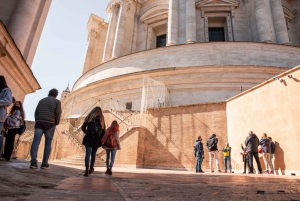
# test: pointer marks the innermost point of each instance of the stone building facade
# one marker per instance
(197, 54)
(21, 26)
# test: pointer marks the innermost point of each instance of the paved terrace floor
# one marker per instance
(20, 183)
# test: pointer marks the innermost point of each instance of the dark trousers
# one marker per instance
(250, 161)
(9, 143)
(90, 153)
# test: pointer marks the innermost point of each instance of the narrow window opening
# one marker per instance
(161, 40)
(216, 34)
(129, 105)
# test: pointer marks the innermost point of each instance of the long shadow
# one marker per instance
(279, 163)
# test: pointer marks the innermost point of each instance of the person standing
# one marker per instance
(252, 143)
(273, 146)
(113, 133)
(47, 116)
(5, 101)
(266, 151)
(94, 129)
(212, 145)
(14, 121)
(199, 154)
(227, 157)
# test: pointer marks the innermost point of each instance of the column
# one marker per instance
(190, 21)
(281, 31)
(173, 23)
(263, 27)
(21, 22)
(111, 33)
(120, 31)
(88, 61)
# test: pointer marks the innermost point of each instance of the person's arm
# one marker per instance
(202, 150)
(57, 113)
(215, 142)
(7, 98)
(117, 135)
(83, 127)
(36, 113)
(207, 145)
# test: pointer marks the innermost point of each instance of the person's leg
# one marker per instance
(107, 158)
(265, 162)
(229, 161)
(268, 156)
(48, 140)
(200, 164)
(9, 143)
(113, 155)
(211, 160)
(93, 158)
(257, 161)
(225, 163)
(1, 138)
(38, 133)
(271, 162)
(88, 151)
(216, 155)
(197, 164)
(250, 162)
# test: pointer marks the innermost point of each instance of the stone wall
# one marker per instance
(273, 108)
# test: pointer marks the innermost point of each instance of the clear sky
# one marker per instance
(60, 53)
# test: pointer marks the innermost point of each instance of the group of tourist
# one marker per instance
(9, 123)
(47, 116)
(251, 150)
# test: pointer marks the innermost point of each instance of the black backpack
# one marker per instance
(22, 128)
(94, 129)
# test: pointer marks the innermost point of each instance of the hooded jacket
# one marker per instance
(5, 100)
(213, 143)
(272, 147)
(252, 143)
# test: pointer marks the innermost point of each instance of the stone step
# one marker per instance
(98, 163)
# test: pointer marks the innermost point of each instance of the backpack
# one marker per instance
(94, 129)
(210, 142)
(22, 128)
(111, 141)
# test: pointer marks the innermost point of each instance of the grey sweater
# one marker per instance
(48, 110)
(5, 100)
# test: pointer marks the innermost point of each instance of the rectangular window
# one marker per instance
(129, 105)
(216, 34)
(161, 40)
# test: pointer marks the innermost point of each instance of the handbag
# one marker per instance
(260, 150)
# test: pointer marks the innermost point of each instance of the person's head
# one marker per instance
(264, 135)
(94, 113)
(200, 138)
(2, 83)
(53, 92)
(270, 138)
(115, 125)
(227, 144)
(251, 133)
(17, 106)
(214, 135)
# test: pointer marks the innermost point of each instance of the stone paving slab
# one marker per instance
(20, 183)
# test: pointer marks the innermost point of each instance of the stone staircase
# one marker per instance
(77, 160)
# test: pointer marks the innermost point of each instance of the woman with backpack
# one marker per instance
(13, 122)
(5, 100)
(94, 128)
(111, 144)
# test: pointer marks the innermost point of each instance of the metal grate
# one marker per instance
(161, 40)
(216, 34)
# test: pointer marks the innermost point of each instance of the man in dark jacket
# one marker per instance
(199, 154)
(47, 116)
(212, 145)
(252, 143)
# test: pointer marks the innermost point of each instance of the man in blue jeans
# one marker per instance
(199, 154)
(47, 116)
(252, 143)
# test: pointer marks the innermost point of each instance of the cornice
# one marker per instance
(13, 61)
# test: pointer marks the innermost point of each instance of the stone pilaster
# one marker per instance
(22, 21)
(111, 32)
(281, 31)
(190, 21)
(263, 27)
(89, 51)
(120, 30)
(173, 23)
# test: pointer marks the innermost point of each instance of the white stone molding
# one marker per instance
(288, 14)
(155, 14)
(173, 23)
(217, 5)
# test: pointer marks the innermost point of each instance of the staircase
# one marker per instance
(78, 160)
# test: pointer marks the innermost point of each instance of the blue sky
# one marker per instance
(60, 53)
